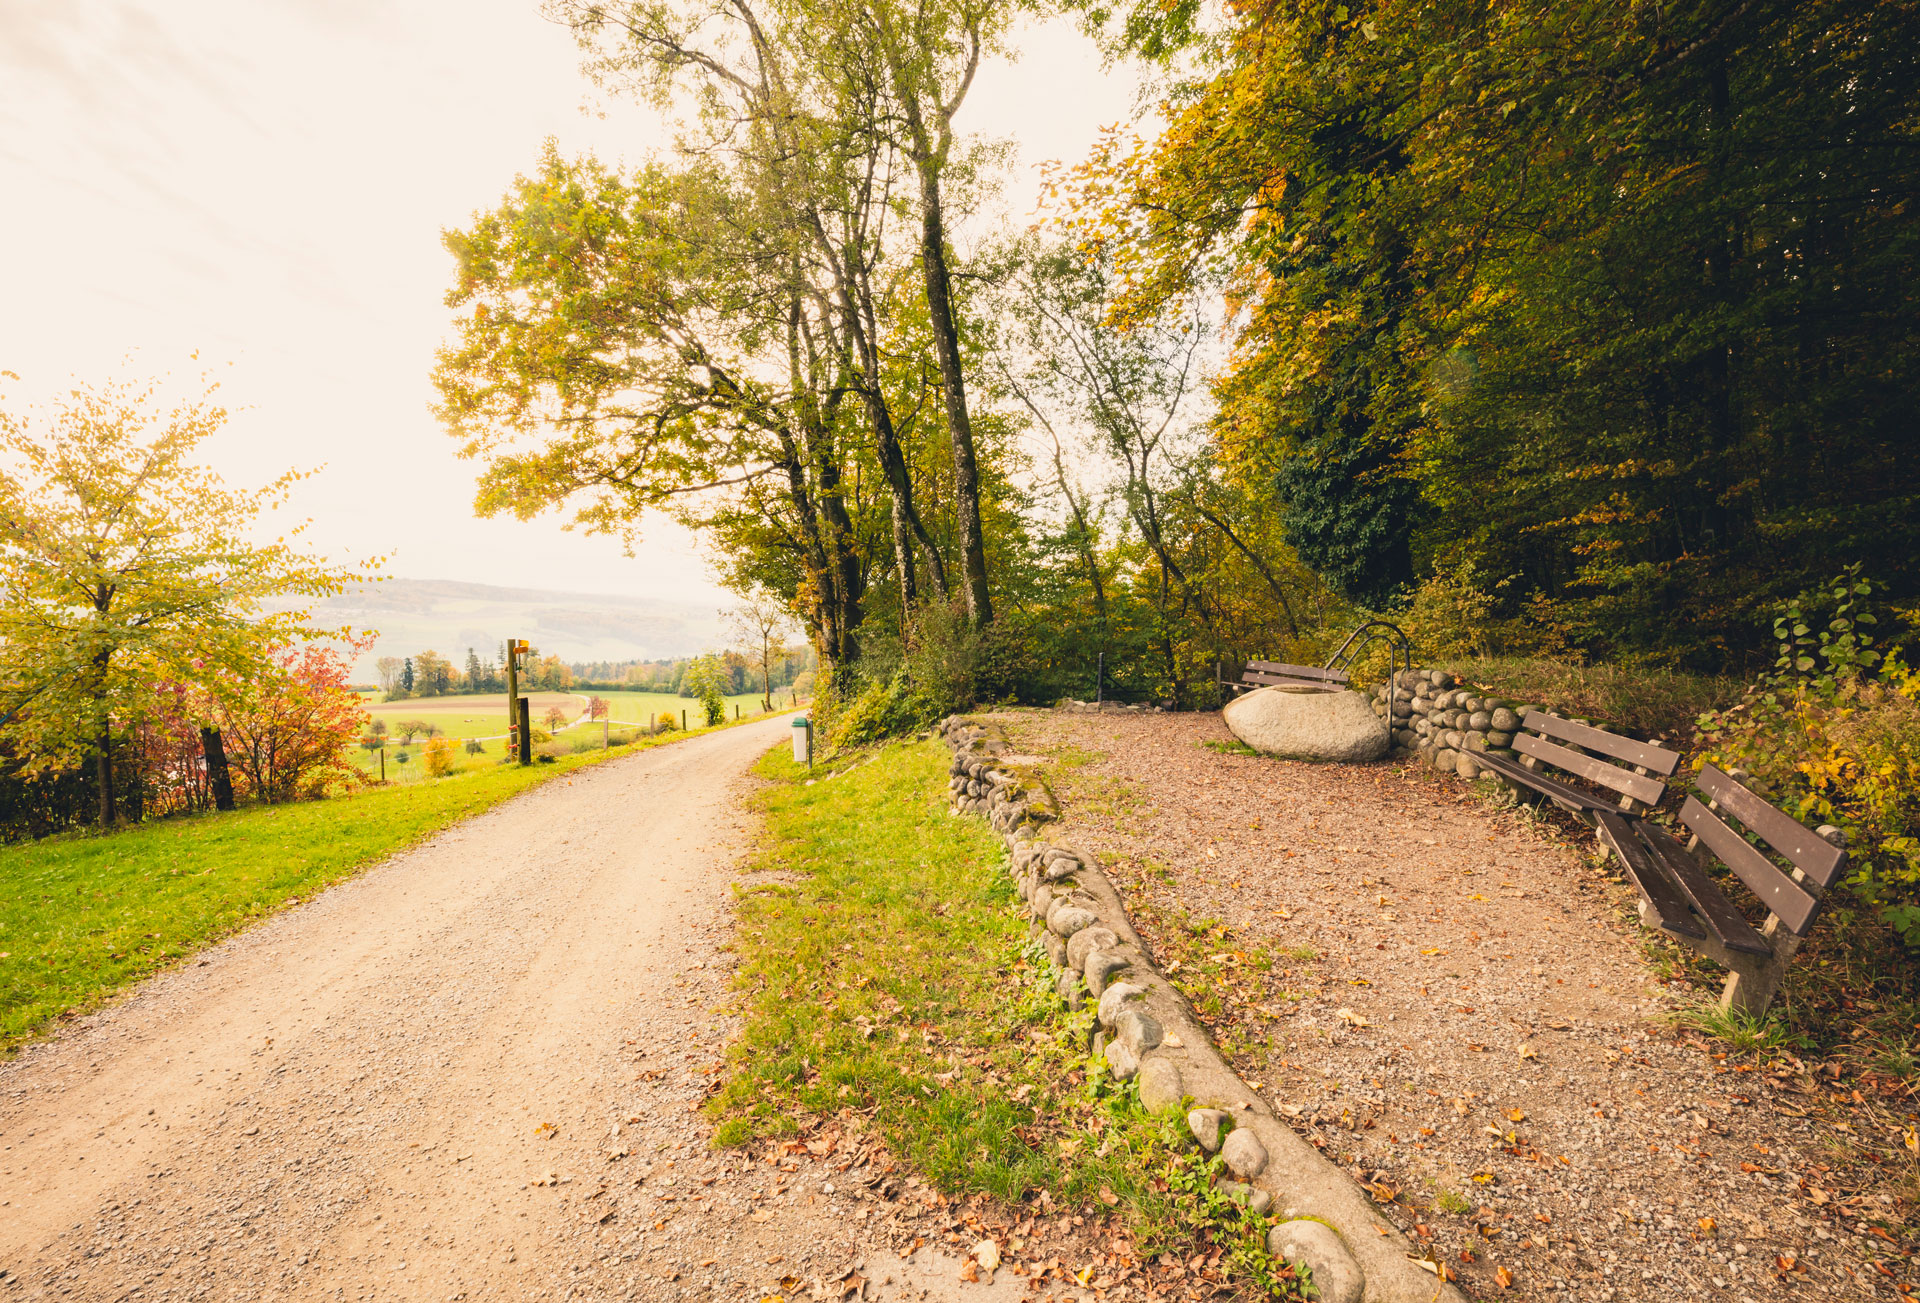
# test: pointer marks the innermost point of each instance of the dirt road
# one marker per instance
(472, 1072)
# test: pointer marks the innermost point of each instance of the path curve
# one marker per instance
(470, 1072)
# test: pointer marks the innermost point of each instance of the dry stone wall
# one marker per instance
(1147, 1033)
(1445, 722)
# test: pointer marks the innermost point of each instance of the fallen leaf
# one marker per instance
(1108, 1197)
(1349, 1016)
(1526, 1052)
(546, 1131)
(1516, 1115)
(1503, 1278)
(1708, 1225)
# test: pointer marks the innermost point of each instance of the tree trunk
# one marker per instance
(103, 773)
(219, 777)
(946, 342)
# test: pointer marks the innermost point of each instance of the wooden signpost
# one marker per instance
(519, 709)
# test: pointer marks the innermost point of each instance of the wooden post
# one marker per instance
(513, 697)
(526, 731)
(683, 721)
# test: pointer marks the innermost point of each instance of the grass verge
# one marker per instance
(84, 916)
(885, 973)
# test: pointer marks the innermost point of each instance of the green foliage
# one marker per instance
(1833, 734)
(881, 711)
(1350, 517)
(1584, 276)
(707, 681)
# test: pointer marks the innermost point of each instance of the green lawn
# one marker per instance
(888, 971)
(82, 917)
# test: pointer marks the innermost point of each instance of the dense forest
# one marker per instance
(1575, 330)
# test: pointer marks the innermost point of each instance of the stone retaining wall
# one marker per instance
(1446, 722)
(1148, 1033)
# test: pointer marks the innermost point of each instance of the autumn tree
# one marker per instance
(388, 668)
(759, 624)
(1612, 300)
(287, 725)
(123, 565)
(432, 674)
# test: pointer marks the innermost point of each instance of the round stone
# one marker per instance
(1205, 1123)
(1086, 941)
(1480, 720)
(1160, 1084)
(1337, 1277)
(1503, 720)
(1305, 724)
(1246, 1156)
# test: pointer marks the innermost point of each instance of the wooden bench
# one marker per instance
(1265, 674)
(1678, 895)
(1632, 774)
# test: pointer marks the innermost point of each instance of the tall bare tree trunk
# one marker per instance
(103, 741)
(946, 344)
(103, 773)
(219, 776)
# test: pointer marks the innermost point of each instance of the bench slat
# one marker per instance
(1282, 681)
(1655, 887)
(1297, 671)
(1729, 925)
(1658, 759)
(1792, 902)
(1541, 783)
(1813, 855)
(1638, 786)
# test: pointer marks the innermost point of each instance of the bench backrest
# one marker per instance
(1794, 894)
(1264, 673)
(1636, 770)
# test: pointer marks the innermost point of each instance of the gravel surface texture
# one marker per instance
(473, 1072)
(1452, 1002)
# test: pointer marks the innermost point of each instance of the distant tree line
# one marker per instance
(429, 674)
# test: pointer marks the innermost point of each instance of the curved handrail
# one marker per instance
(1398, 647)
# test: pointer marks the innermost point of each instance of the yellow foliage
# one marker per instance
(439, 756)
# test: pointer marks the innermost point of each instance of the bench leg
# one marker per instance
(1753, 980)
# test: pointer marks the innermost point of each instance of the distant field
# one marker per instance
(480, 716)
(635, 707)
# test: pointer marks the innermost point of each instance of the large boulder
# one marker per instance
(1307, 724)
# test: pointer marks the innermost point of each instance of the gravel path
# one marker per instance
(472, 1072)
(1459, 1010)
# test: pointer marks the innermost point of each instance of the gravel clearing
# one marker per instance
(1459, 1010)
(472, 1072)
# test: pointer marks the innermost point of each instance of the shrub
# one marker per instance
(475, 746)
(1833, 735)
(439, 756)
(706, 681)
(1452, 615)
(882, 710)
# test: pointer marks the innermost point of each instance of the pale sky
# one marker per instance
(266, 182)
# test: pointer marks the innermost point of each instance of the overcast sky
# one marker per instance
(266, 181)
